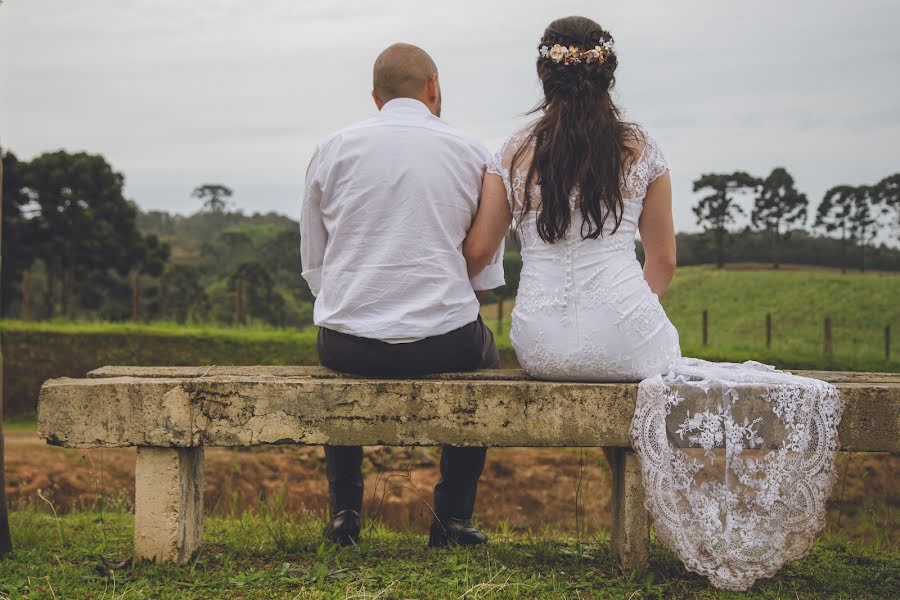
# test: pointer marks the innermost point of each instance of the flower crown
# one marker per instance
(573, 55)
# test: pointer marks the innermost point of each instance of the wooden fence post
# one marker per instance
(238, 302)
(826, 343)
(768, 330)
(500, 313)
(136, 298)
(705, 327)
(887, 342)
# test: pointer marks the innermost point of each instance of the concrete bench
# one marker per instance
(172, 413)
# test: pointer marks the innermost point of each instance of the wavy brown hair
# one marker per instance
(580, 140)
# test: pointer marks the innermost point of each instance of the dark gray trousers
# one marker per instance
(465, 349)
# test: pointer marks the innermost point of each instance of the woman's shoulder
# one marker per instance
(639, 140)
(516, 140)
(501, 161)
(648, 161)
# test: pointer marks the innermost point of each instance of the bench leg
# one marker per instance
(630, 522)
(168, 503)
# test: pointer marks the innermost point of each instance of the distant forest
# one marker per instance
(75, 248)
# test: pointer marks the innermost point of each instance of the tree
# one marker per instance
(887, 192)
(84, 222)
(719, 209)
(213, 196)
(778, 206)
(183, 296)
(262, 300)
(863, 219)
(835, 214)
(18, 230)
(5, 538)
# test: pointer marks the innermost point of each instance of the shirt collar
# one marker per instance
(405, 105)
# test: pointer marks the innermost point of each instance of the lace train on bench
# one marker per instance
(737, 463)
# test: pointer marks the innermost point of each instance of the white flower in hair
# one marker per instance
(545, 51)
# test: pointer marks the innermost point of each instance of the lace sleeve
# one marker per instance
(501, 164)
(654, 160)
(495, 166)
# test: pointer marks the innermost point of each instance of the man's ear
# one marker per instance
(378, 102)
(433, 88)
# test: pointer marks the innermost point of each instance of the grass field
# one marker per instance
(737, 300)
(306, 337)
(269, 555)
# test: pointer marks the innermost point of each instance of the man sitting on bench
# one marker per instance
(388, 204)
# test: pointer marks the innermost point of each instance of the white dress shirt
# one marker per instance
(388, 204)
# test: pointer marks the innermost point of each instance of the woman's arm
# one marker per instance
(490, 225)
(658, 234)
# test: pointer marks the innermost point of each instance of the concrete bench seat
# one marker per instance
(172, 413)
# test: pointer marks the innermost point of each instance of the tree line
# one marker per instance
(856, 213)
(75, 247)
(68, 213)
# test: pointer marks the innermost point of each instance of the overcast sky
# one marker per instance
(178, 93)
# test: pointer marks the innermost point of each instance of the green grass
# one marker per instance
(85, 555)
(860, 306)
(25, 424)
(305, 336)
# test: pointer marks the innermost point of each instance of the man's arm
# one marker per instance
(313, 235)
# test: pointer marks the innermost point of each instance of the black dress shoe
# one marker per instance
(343, 528)
(455, 531)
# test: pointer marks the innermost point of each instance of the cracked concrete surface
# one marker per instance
(159, 406)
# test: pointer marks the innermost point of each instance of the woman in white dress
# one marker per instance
(737, 460)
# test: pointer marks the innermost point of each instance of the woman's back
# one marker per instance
(583, 309)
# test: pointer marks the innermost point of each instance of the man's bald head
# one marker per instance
(402, 71)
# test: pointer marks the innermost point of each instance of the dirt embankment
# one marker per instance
(521, 487)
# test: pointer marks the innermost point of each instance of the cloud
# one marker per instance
(177, 93)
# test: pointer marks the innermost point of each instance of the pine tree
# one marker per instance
(778, 206)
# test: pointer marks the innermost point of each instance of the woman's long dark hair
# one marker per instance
(580, 141)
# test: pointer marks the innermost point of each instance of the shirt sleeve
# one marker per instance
(313, 235)
(492, 276)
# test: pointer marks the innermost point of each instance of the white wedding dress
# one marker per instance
(737, 459)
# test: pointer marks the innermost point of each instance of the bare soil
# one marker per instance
(522, 488)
